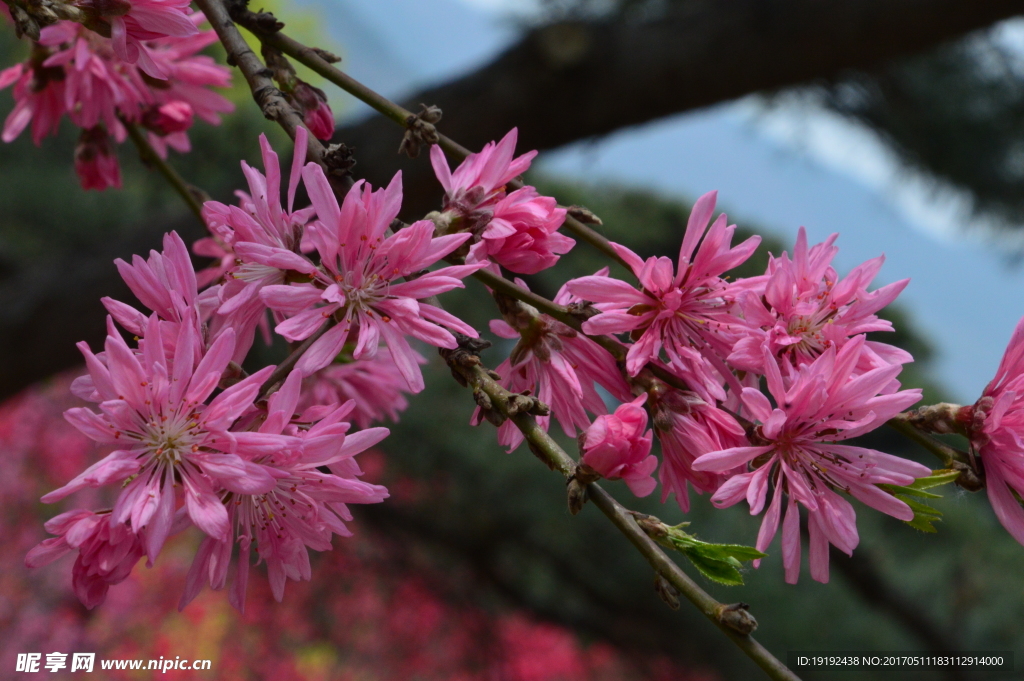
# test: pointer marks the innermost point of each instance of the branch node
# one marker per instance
(419, 129)
(737, 617)
(970, 479)
(576, 486)
(584, 215)
(666, 591)
(328, 57)
(340, 160)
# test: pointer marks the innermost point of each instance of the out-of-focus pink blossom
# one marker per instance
(95, 160)
(806, 308)
(168, 118)
(617, 446)
(522, 235)
(190, 75)
(107, 552)
(38, 99)
(678, 310)
(303, 508)
(801, 455)
(358, 280)
(134, 21)
(997, 432)
(375, 386)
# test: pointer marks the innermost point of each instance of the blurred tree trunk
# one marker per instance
(574, 80)
(560, 83)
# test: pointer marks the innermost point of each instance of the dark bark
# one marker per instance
(570, 81)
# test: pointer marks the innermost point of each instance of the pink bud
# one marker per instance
(95, 160)
(169, 118)
(616, 446)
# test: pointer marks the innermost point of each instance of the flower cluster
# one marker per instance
(517, 230)
(149, 73)
(192, 439)
(696, 345)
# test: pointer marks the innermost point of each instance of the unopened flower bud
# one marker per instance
(169, 118)
(95, 160)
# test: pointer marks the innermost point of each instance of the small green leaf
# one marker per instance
(937, 478)
(715, 570)
(718, 562)
(924, 515)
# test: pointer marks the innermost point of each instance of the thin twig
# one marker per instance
(399, 114)
(270, 100)
(190, 194)
(286, 366)
(725, 617)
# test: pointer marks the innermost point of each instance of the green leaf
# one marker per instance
(937, 478)
(715, 570)
(924, 515)
(718, 562)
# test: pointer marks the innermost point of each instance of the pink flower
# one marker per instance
(258, 241)
(562, 367)
(688, 427)
(997, 432)
(95, 160)
(97, 85)
(692, 307)
(479, 181)
(38, 98)
(616, 446)
(166, 284)
(320, 121)
(825, 403)
(522, 235)
(172, 445)
(305, 506)
(358, 280)
(134, 21)
(107, 552)
(169, 118)
(190, 75)
(806, 309)
(375, 386)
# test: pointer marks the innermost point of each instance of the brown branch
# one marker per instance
(733, 620)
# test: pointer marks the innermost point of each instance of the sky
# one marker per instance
(793, 166)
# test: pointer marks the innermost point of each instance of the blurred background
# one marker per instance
(898, 123)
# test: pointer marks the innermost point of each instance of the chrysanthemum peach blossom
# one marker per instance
(806, 308)
(797, 453)
(306, 505)
(171, 442)
(358, 280)
(997, 432)
(562, 367)
(690, 307)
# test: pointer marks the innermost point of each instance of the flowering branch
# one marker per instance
(970, 479)
(268, 97)
(269, 33)
(733, 620)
